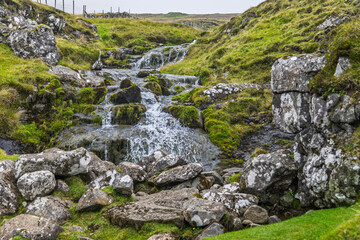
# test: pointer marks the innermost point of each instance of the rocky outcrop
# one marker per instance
(67, 75)
(55, 23)
(30, 227)
(93, 199)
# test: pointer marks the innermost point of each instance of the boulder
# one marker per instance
(200, 212)
(146, 161)
(61, 186)
(332, 22)
(36, 184)
(218, 179)
(55, 23)
(30, 227)
(293, 74)
(124, 185)
(256, 215)
(343, 65)
(98, 65)
(126, 83)
(162, 207)
(230, 196)
(177, 174)
(8, 197)
(7, 170)
(271, 173)
(93, 199)
(213, 230)
(67, 75)
(163, 236)
(344, 111)
(52, 208)
(127, 114)
(165, 162)
(35, 42)
(136, 172)
(106, 179)
(131, 94)
(274, 219)
(200, 183)
(321, 110)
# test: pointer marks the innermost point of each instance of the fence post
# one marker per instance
(73, 7)
(63, 5)
(46, 2)
(55, 3)
(111, 9)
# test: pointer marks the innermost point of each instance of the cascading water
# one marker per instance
(157, 129)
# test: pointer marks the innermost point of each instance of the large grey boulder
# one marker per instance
(30, 227)
(135, 171)
(124, 185)
(200, 212)
(52, 208)
(271, 173)
(256, 215)
(7, 170)
(8, 197)
(231, 197)
(177, 174)
(36, 184)
(214, 229)
(293, 74)
(93, 199)
(163, 207)
(35, 42)
(67, 75)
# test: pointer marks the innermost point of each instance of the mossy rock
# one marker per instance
(100, 93)
(126, 83)
(188, 115)
(128, 95)
(154, 87)
(127, 114)
(179, 89)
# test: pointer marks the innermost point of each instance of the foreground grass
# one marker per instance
(328, 224)
(4, 156)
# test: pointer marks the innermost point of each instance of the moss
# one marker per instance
(128, 114)
(154, 87)
(86, 96)
(4, 156)
(234, 178)
(77, 188)
(188, 115)
(97, 119)
(258, 151)
(179, 89)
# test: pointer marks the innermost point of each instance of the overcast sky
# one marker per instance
(160, 6)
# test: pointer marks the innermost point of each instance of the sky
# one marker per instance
(160, 6)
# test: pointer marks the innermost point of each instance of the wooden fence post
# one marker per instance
(73, 7)
(63, 5)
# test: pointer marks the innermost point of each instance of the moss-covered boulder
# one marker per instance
(154, 87)
(127, 114)
(188, 115)
(131, 94)
(126, 83)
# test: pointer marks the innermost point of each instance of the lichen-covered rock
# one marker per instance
(293, 74)
(163, 236)
(135, 171)
(124, 185)
(343, 65)
(131, 94)
(321, 110)
(201, 183)
(7, 170)
(98, 65)
(165, 162)
(212, 230)
(256, 215)
(177, 174)
(271, 173)
(332, 22)
(229, 195)
(8, 197)
(36, 184)
(344, 111)
(52, 208)
(55, 23)
(146, 161)
(93, 199)
(61, 186)
(104, 180)
(30, 227)
(35, 42)
(200, 212)
(127, 114)
(67, 75)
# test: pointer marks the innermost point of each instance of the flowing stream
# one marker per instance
(156, 129)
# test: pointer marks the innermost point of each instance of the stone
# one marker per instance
(30, 227)
(163, 236)
(257, 215)
(36, 184)
(214, 229)
(344, 111)
(200, 212)
(8, 197)
(291, 111)
(104, 180)
(320, 110)
(127, 114)
(271, 173)
(177, 174)
(218, 179)
(293, 74)
(343, 65)
(146, 161)
(55, 23)
(35, 42)
(93, 199)
(67, 75)
(61, 186)
(274, 219)
(135, 171)
(124, 185)
(90, 25)
(76, 229)
(332, 22)
(50, 207)
(98, 65)
(200, 183)
(132, 94)
(164, 162)
(126, 83)
(229, 195)
(163, 207)
(7, 170)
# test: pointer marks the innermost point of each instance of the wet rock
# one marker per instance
(164, 162)
(164, 236)
(55, 23)
(214, 229)
(293, 74)
(35, 42)
(61, 186)
(124, 185)
(67, 75)
(154, 87)
(130, 94)
(52, 208)
(163, 207)
(135, 171)
(8, 197)
(127, 114)
(332, 22)
(274, 219)
(200, 212)
(343, 65)
(269, 174)
(230, 196)
(98, 65)
(257, 215)
(30, 227)
(7, 170)
(125, 83)
(177, 174)
(92, 200)
(36, 184)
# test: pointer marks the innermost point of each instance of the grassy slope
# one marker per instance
(328, 224)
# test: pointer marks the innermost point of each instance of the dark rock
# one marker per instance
(131, 94)
(214, 229)
(125, 83)
(274, 219)
(257, 215)
(135, 171)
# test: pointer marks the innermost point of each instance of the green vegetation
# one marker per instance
(188, 115)
(154, 87)
(4, 156)
(234, 178)
(77, 188)
(338, 223)
(128, 114)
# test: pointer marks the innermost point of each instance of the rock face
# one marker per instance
(9, 197)
(177, 174)
(133, 170)
(52, 208)
(93, 199)
(269, 173)
(214, 229)
(30, 227)
(256, 215)
(36, 184)
(37, 42)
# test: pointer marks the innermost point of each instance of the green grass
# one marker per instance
(314, 225)
(4, 156)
